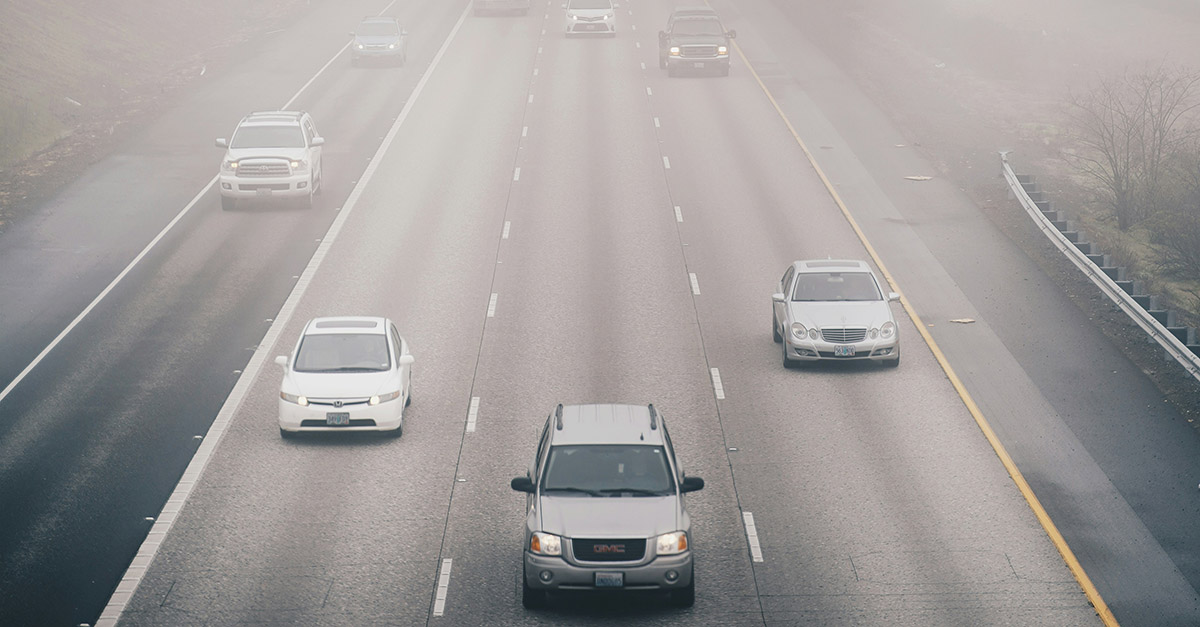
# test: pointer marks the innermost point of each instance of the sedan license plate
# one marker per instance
(610, 580)
(698, 64)
(843, 351)
(337, 418)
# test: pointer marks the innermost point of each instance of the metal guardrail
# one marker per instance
(1175, 348)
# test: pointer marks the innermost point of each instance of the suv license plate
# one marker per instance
(843, 351)
(263, 191)
(337, 419)
(610, 580)
(698, 64)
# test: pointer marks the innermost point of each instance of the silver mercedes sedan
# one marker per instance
(834, 309)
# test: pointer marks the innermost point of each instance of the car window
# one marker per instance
(281, 136)
(835, 286)
(698, 27)
(343, 352)
(608, 470)
(541, 449)
(397, 343)
(378, 29)
(670, 447)
(787, 279)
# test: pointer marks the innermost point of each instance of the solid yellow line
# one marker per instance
(1068, 556)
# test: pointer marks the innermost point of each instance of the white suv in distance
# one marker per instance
(346, 374)
(830, 309)
(591, 17)
(272, 154)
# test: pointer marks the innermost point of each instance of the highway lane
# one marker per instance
(594, 303)
(97, 434)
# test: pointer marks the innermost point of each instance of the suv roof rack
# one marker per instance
(558, 417)
(653, 417)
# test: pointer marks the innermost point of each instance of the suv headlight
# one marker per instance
(298, 399)
(545, 544)
(229, 165)
(299, 165)
(887, 330)
(383, 398)
(672, 543)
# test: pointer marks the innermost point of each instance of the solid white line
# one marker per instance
(443, 586)
(695, 283)
(517, 173)
(666, 162)
(492, 306)
(717, 387)
(191, 475)
(507, 224)
(752, 537)
(678, 214)
(472, 414)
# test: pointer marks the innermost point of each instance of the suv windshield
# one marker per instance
(835, 286)
(378, 29)
(268, 137)
(608, 470)
(697, 27)
(343, 352)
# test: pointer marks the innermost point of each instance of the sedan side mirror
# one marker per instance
(406, 360)
(222, 143)
(732, 34)
(691, 484)
(893, 297)
(778, 298)
(282, 360)
(318, 141)
(525, 484)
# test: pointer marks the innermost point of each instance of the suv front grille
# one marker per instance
(269, 168)
(843, 336)
(698, 51)
(609, 550)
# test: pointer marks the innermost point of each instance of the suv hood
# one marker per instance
(237, 154)
(604, 517)
(339, 385)
(841, 314)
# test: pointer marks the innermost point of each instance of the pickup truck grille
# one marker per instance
(609, 550)
(264, 168)
(843, 336)
(698, 51)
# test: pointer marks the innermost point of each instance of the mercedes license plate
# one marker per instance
(337, 418)
(610, 580)
(843, 351)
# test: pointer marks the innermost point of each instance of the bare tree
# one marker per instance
(1130, 128)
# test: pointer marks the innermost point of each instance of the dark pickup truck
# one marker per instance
(695, 40)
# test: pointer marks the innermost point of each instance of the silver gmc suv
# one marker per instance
(272, 154)
(605, 506)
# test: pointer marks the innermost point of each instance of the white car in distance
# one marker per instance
(346, 374)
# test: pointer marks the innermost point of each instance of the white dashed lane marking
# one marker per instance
(507, 224)
(678, 214)
(492, 306)
(517, 174)
(666, 162)
(657, 124)
(530, 99)
(472, 414)
(717, 387)
(443, 588)
(752, 537)
(695, 283)
(524, 131)
(648, 92)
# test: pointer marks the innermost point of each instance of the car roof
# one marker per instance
(347, 324)
(831, 265)
(273, 117)
(607, 424)
(380, 19)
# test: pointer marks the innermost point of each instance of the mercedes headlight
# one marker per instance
(887, 330)
(672, 543)
(545, 544)
(798, 331)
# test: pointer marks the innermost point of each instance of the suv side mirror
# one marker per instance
(732, 34)
(318, 141)
(525, 484)
(690, 484)
(778, 298)
(222, 143)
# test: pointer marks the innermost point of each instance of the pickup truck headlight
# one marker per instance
(298, 399)
(674, 51)
(672, 543)
(722, 50)
(545, 544)
(383, 398)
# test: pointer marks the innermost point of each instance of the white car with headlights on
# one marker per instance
(346, 374)
(272, 154)
(828, 309)
(591, 17)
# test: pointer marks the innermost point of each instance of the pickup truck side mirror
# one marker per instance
(523, 484)
(662, 35)
(222, 143)
(732, 34)
(691, 484)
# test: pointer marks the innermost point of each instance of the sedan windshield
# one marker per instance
(608, 470)
(835, 286)
(378, 29)
(268, 137)
(343, 352)
(697, 27)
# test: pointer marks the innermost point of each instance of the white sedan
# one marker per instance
(346, 374)
(834, 310)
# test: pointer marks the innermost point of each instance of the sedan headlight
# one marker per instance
(545, 544)
(672, 543)
(359, 46)
(298, 399)
(609, 16)
(574, 17)
(383, 398)
(674, 51)
(391, 46)
(798, 331)
(722, 50)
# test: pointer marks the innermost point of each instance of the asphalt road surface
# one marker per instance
(548, 220)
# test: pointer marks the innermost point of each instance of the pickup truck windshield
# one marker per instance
(608, 470)
(697, 27)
